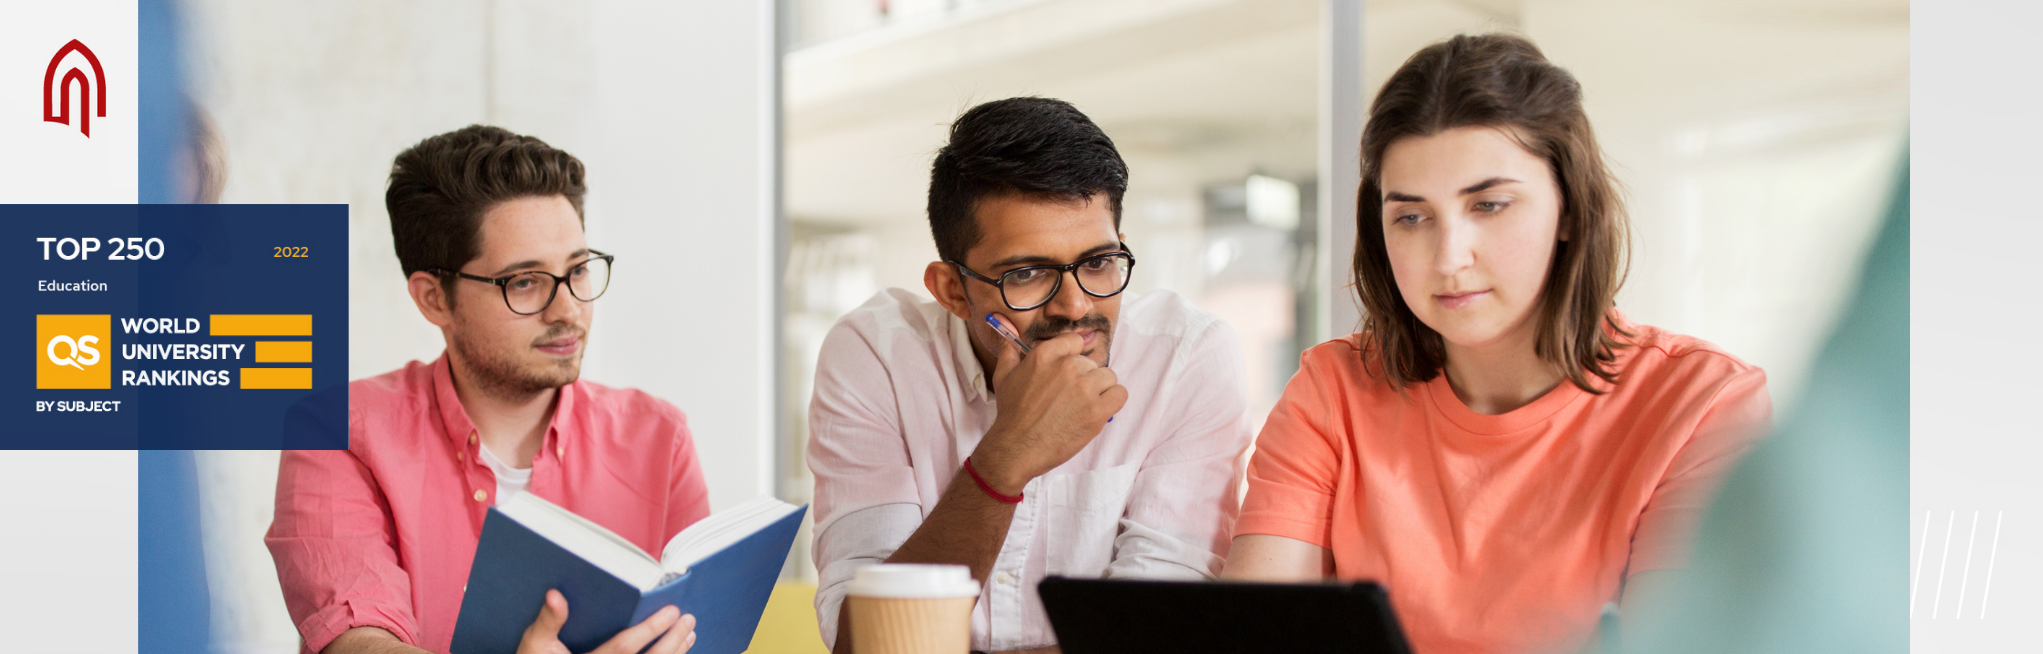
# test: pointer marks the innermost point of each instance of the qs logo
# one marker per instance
(71, 351)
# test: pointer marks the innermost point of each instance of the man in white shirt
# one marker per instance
(1109, 449)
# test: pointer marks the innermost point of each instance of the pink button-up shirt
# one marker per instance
(382, 534)
(900, 401)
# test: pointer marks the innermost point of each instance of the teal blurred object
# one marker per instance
(1805, 549)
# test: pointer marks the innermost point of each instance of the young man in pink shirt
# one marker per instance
(1108, 450)
(372, 544)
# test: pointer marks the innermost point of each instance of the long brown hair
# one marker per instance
(1497, 80)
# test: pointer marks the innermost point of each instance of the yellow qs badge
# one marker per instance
(73, 351)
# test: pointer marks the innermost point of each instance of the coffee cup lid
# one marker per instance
(913, 581)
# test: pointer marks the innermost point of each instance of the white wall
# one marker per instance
(1974, 444)
(68, 565)
(681, 118)
(1758, 142)
(669, 104)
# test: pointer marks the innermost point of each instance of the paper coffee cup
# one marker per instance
(901, 608)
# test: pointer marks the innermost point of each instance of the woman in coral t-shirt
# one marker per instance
(1499, 447)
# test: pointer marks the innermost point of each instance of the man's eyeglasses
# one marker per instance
(532, 291)
(1029, 287)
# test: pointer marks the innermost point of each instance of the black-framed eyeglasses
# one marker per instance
(532, 291)
(1029, 287)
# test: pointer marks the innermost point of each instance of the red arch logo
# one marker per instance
(61, 112)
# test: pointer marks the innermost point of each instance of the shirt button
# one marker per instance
(1003, 579)
(481, 495)
(460, 456)
(560, 450)
(471, 438)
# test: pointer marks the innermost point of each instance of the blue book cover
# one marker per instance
(515, 565)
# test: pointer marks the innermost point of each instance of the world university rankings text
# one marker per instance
(174, 326)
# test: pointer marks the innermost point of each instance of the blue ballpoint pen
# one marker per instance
(1001, 328)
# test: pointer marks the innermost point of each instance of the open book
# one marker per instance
(721, 569)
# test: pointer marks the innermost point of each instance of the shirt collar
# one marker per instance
(970, 372)
(454, 417)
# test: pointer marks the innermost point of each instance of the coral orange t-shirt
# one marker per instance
(1503, 533)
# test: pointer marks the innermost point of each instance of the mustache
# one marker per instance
(558, 331)
(1050, 326)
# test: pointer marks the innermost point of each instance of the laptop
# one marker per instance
(1115, 616)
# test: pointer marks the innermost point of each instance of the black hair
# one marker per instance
(1036, 147)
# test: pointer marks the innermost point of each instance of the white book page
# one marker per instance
(600, 547)
(714, 533)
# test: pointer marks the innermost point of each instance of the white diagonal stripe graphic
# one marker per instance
(1990, 558)
(1944, 565)
(1971, 543)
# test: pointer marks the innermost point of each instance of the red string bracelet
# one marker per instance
(1010, 499)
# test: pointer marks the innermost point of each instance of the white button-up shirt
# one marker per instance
(900, 401)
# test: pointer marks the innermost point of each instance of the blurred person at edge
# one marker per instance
(372, 544)
(1110, 449)
(1499, 446)
(1805, 550)
(200, 167)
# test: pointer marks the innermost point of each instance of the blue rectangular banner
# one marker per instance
(203, 327)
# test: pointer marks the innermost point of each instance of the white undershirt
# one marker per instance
(510, 481)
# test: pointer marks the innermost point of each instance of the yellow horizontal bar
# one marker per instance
(276, 378)
(283, 351)
(258, 325)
